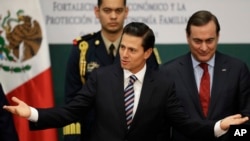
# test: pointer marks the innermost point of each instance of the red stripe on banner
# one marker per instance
(37, 92)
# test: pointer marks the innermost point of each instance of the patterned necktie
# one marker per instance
(111, 52)
(129, 100)
(205, 88)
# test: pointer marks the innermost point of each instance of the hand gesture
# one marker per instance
(21, 109)
(232, 120)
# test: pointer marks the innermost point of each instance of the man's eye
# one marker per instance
(197, 41)
(118, 11)
(132, 50)
(107, 10)
(209, 41)
(122, 47)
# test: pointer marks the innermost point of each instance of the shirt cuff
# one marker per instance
(33, 115)
(218, 131)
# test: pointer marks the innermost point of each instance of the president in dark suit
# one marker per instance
(94, 56)
(93, 51)
(229, 88)
(132, 102)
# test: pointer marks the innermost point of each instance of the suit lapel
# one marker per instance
(186, 72)
(219, 80)
(118, 92)
(146, 94)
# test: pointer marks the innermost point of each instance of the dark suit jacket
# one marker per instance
(104, 91)
(230, 92)
(7, 127)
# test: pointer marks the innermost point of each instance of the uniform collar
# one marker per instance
(108, 43)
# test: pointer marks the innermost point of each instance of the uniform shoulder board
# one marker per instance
(79, 39)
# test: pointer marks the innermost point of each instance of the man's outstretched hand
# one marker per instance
(232, 120)
(21, 109)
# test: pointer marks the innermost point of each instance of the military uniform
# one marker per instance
(88, 53)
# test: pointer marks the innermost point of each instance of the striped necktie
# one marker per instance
(129, 100)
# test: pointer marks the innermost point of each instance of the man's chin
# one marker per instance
(124, 66)
(114, 30)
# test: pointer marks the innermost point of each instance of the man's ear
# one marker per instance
(147, 53)
(126, 10)
(96, 10)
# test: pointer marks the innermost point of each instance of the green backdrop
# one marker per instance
(59, 55)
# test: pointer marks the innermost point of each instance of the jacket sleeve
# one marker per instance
(7, 128)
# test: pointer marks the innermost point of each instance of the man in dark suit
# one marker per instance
(92, 51)
(7, 128)
(138, 112)
(229, 89)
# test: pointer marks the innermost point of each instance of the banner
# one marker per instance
(167, 18)
(25, 70)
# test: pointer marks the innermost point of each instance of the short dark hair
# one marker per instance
(201, 18)
(139, 29)
(99, 2)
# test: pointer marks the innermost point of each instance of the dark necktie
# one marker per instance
(129, 100)
(205, 88)
(111, 52)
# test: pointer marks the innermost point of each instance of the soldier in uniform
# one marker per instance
(93, 51)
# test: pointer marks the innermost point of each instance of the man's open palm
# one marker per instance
(21, 109)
